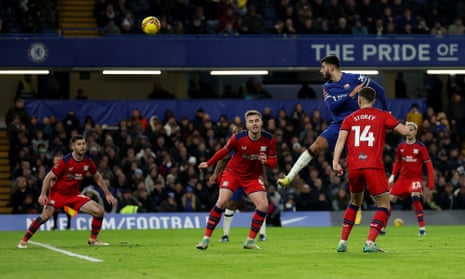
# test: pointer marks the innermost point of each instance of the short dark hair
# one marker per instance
(76, 138)
(331, 59)
(367, 93)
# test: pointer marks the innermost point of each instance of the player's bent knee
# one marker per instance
(262, 208)
(98, 212)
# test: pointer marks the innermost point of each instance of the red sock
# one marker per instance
(257, 221)
(388, 216)
(416, 201)
(33, 227)
(349, 219)
(96, 226)
(378, 222)
(213, 220)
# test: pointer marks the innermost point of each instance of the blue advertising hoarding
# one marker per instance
(158, 221)
(243, 51)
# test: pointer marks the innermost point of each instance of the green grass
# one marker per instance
(288, 253)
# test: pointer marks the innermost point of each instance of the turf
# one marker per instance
(288, 253)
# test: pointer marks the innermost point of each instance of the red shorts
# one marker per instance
(374, 179)
(58, 200)
(403, 188)
(233, 182)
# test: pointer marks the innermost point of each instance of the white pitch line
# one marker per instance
(71, 254)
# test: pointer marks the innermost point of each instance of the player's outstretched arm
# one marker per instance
(48, 181)
(101, 183)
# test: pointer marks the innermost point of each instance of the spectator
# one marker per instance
(145, 202)
(30, 205)
(165, 27)
(19, 195)
(342, 27)
(25, 88)
(228, 18)
(128, 23)
(303, 201)
(136, 121)
(438, 29)
(71, 122)
(159, 93)
(197, 26)
(308, 27)
(422, 27)
(198, 89)
(456, 115)
(81, 95)
(445, 199)
(169, 204)
(17, 111)
(335, 12)
(111, 28)
(414, 115)
(341, 199)
(457, 28)
(252, 22)
(189, 201)
(359, 29)
(306, 92)
(127, 203)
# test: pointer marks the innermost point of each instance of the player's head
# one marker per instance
(328, 65)
(412, 126)
(366, 96)
(78, 145)
(57, 158)
(253, 120)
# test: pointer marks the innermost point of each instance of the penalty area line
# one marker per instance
(68, 253)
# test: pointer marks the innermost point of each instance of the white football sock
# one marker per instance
(227, 220)
(301, 162)
(263, 228)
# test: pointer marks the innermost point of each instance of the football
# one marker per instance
(150, 25)
(398, 222)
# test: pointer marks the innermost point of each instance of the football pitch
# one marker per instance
(288, 253)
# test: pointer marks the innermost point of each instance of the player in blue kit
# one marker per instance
(340, 95)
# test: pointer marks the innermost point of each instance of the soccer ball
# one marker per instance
(150, 25)
(398, 222)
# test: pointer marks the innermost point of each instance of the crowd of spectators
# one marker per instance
(289, 17)
(150, 162)
(230, 17)
(28, 16)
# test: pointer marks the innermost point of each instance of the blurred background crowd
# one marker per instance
(234, 17)
(150, 161)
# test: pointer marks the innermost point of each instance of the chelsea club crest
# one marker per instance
(37, 52)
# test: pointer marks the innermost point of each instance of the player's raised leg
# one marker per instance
(319, 145)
